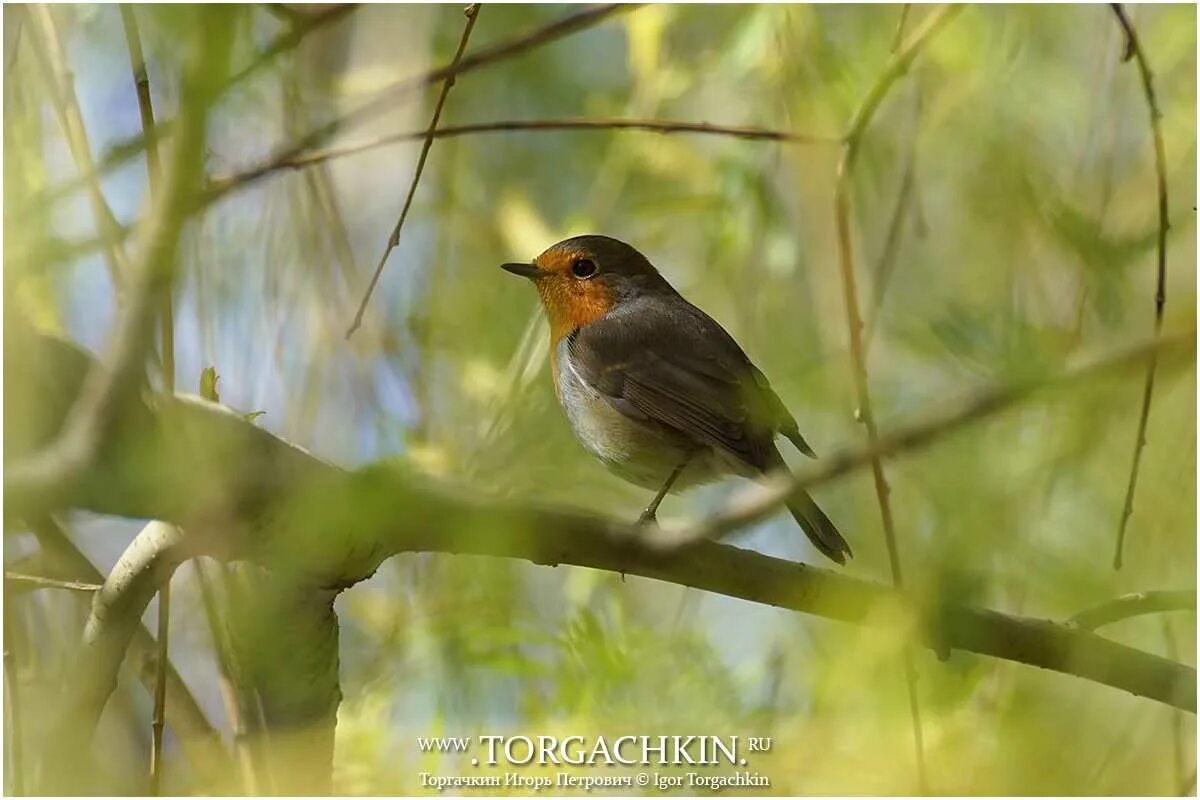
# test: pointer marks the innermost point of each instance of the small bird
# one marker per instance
(654, 387)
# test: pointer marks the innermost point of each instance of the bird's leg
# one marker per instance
(649, 515)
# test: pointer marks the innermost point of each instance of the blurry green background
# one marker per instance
(1017, 153)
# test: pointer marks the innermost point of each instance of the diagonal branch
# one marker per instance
(897, 65)
(764, 500)
(472, 14)
(1133, 48)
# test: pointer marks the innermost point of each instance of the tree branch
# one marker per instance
(1134, 605)
(1133, 47)
(305, 518)
(472, 14)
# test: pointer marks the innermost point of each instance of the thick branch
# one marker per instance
(305, 518)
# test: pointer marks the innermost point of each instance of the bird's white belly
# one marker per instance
(641, 453)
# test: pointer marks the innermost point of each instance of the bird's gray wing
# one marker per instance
(672, 364)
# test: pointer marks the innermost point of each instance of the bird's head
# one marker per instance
(583, 278)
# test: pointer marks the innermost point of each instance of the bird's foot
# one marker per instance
(648, 517)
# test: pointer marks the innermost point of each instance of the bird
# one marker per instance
(654, 387)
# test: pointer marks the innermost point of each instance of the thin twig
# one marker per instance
(141, 84)
(896, 67)
(1134, 605)
(159, 719)
(42, 582)
(472, 14)
(571, 23)
(1133, 47)
(308, 158)
(60, 82)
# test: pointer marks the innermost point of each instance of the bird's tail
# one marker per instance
(820, 530)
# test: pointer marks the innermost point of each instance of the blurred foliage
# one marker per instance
(1025, 244)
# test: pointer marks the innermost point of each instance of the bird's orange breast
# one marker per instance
(570, 304)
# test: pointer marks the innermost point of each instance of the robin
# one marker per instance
(653, 386)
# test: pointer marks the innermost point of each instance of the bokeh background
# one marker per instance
(1004, 225)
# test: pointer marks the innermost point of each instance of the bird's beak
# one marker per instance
(524, 270)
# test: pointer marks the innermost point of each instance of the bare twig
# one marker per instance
(1133, 47)
(60, 82)
(571, 23)
(42, 582)
(123, 151)
(1134, 605)
(158, 721)
(306, 159)
(896, 67)
(472, 14)
(141, 83)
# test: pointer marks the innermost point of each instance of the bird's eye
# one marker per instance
(583, 268)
